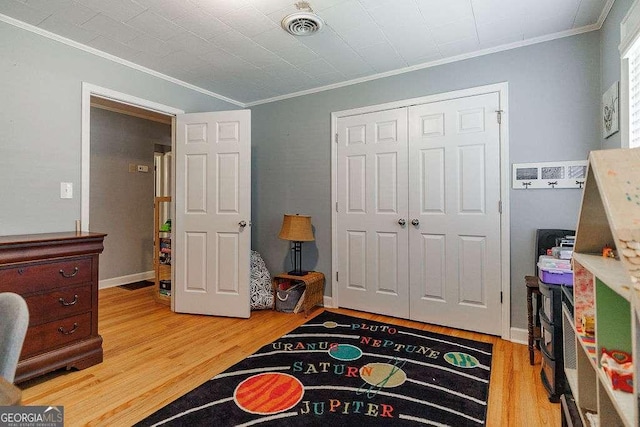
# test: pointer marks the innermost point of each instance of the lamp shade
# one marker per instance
(296, 228)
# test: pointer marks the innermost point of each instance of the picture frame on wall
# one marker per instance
(609, 108)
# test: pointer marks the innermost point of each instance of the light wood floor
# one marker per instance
(152, 356)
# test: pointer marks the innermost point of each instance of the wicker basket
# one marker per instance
(314, 288)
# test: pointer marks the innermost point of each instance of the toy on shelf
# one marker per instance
(588, 324)
(619, 368)
(166, 227)
(608, 252)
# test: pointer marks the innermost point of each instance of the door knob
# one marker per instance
(415, 222)
(402, 221)
(242, 224)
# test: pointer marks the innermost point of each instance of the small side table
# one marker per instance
(533, 288)
(314, 288)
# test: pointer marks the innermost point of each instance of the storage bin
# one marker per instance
(286, 299)
(553, 263)
(556, 276)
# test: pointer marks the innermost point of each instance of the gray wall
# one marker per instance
(555, 90)
(553, 115)
(40, 128)
(610, 59)
(122, 201)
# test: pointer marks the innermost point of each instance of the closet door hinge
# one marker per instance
(500, 207)
(336, 206)
(500, 297)
(336, 138)
(499, 116)
(337, 277)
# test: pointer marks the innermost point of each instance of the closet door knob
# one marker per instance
(415, 222)
(242, 224)
(402, 222)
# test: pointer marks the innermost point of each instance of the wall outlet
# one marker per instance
(143, 168)
(66, 190)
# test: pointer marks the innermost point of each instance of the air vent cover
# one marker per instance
(302, 23)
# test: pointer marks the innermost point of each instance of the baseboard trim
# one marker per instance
(328, 302)
(519, 336)
(123, 280)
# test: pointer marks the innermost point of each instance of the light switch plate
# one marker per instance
(66, 190)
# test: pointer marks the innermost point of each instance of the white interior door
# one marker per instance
(212, 231)
(372, 198)
(454, 176)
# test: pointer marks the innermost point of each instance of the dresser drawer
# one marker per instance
(59, 303)
(30, 278)
(548, 336)
(54, 334)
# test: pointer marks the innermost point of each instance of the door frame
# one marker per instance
(503, 92)
(89, 90)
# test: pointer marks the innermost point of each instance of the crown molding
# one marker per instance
(483, 52)
(605, 13)
(488, 51)
(108, 56)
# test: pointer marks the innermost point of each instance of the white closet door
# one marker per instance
(454, 181)
(372, 198)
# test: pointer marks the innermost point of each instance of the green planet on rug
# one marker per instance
(343, 371)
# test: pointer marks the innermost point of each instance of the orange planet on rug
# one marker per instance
(268, 393)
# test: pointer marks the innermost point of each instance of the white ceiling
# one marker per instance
(237, 48)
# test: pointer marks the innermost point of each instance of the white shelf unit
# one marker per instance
(569, 348)
(162, 270)
(604, 287)
(610, 271)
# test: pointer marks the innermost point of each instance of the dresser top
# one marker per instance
(32, 247)
(48, 237)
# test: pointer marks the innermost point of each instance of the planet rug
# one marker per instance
(338, 370)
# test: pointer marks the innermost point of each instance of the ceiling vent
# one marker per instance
(302, 23)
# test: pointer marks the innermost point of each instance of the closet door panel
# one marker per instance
(372, 198)
(431, 182)
(355, 276)
(471, 261)
(472, 182)
(433, 266)
(454, 190)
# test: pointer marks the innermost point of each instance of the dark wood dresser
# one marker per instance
(57, 274)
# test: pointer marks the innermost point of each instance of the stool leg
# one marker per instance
(538, 307)
(530, 324)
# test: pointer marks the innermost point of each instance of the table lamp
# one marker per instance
(297, 229)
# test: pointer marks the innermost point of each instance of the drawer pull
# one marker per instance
(66, 304)
(69, 332)
(75, 271)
